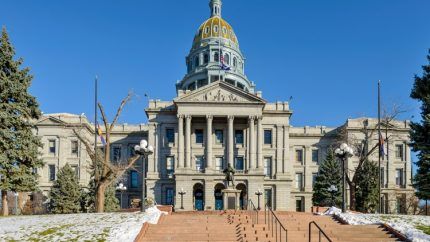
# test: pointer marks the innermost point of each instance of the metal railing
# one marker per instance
(279, 232)
(254, 211)
(320, 232)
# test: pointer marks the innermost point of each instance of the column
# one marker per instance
(209, 119)
(180, 141)
(251, 136)
(279, 148)
(259, 143)
(187, 162)
(286, 162)
(230, 156)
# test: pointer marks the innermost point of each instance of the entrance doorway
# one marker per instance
(219, 202)
(198, 194)
(243, 199)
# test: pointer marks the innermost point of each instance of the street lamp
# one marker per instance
(258, 193)
(343, 153)
(182, 193)
(332, 190)
(144, 150)
(122, 189)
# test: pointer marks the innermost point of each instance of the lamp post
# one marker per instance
(332, 189)
(258, 193)
(182, 193)
(343, 152)
(121, 188)
(144, 150)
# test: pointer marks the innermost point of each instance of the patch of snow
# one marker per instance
(405, 224)
(332, 211)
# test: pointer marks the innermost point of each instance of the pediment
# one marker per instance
(219, 92)
(49, 120)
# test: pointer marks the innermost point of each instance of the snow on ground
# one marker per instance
(121, 227)
(409, 225)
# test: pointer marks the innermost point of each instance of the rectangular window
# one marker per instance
(199, 136)
(267, 137)
(238, 136)
(131, 151)
(299, 155)
(219, 136)
(219, 163)
(382, 177)
(76, 170)
(238, 163)
(75, 147)
(399, 152)
(170, 135)
(299, 204)
(116, 154)
(170, 165)
(399, 177)
(52, 146)
(170, 194)
(314, 179)
(268, 197)
(315, 156)
(51, 172)
(268, 166)
(134, 179)
(299, 181)
(200, 164)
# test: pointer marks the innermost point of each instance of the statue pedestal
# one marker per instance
(231, 198)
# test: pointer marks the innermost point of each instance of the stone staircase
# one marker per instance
(238, 226)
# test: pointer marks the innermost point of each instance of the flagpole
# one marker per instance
(379, 138)
(95, 130)
(219, 48)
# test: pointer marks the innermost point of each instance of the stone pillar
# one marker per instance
(259, 143)
(286, 162)
(187, 141)
(251, 136)
(230, 159)
(209, 119)
(180, 141)
(209, 194)
(279, 146)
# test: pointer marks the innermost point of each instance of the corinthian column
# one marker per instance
(209, 119)
(251, 141)
(230, 140)
(259, 143)
(180, 141)
(187, 141)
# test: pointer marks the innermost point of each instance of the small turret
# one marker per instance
(215, 7)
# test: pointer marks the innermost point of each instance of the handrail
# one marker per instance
(254, 213)
(269, 218)
(320, 231)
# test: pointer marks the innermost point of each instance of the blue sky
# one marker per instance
(328, 55)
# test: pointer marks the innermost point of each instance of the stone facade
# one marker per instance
(217, 119)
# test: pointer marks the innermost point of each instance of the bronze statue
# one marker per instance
(229, 175)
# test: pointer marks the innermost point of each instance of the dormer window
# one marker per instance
(216, 28)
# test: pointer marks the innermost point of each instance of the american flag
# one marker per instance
(381, 145)
(223, 65)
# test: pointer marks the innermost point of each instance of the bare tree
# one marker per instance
(363, 147)
(105, 171)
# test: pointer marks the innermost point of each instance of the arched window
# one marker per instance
(207, 30)
(216, 28)
(234, 62)
(216, 57)
(205, 58)
(196, 61)
(227, 59)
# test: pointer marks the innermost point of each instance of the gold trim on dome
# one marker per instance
(210, 29)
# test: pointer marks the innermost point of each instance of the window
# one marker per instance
(169, 196)
(400, 205)
(51, 172)
(238, 136)
(170, 135)
(200, 166)
(299, 204)
(299, 155)
(196, 61)
(268, 166)
(219, 136)
(206, 30)
(399, 152)
(240, 85)
(238, 163)
(199, 136)
(52, 146)
(268, 197)
(116, 156)
(299, 181)
(382, 177)
(219, 163)
(201, 83)
(267, 137)
(399, 177)
(314, 179)
(216, 28)
(170, 165)
(216, 57)
(315, 156)
(134, 179)
(205, 58)
(227, 59)
(131, 151)
(75, 147)
(75, 168)
(234, 62)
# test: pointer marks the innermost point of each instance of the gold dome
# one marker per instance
(210, 29)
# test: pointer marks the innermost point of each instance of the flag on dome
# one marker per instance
(223, 65)
(99, 133)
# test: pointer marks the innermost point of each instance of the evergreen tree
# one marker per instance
(66, 193)
(329, 175)
(111, 203)
(18, 144)
(367, 187)
(420, 134)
